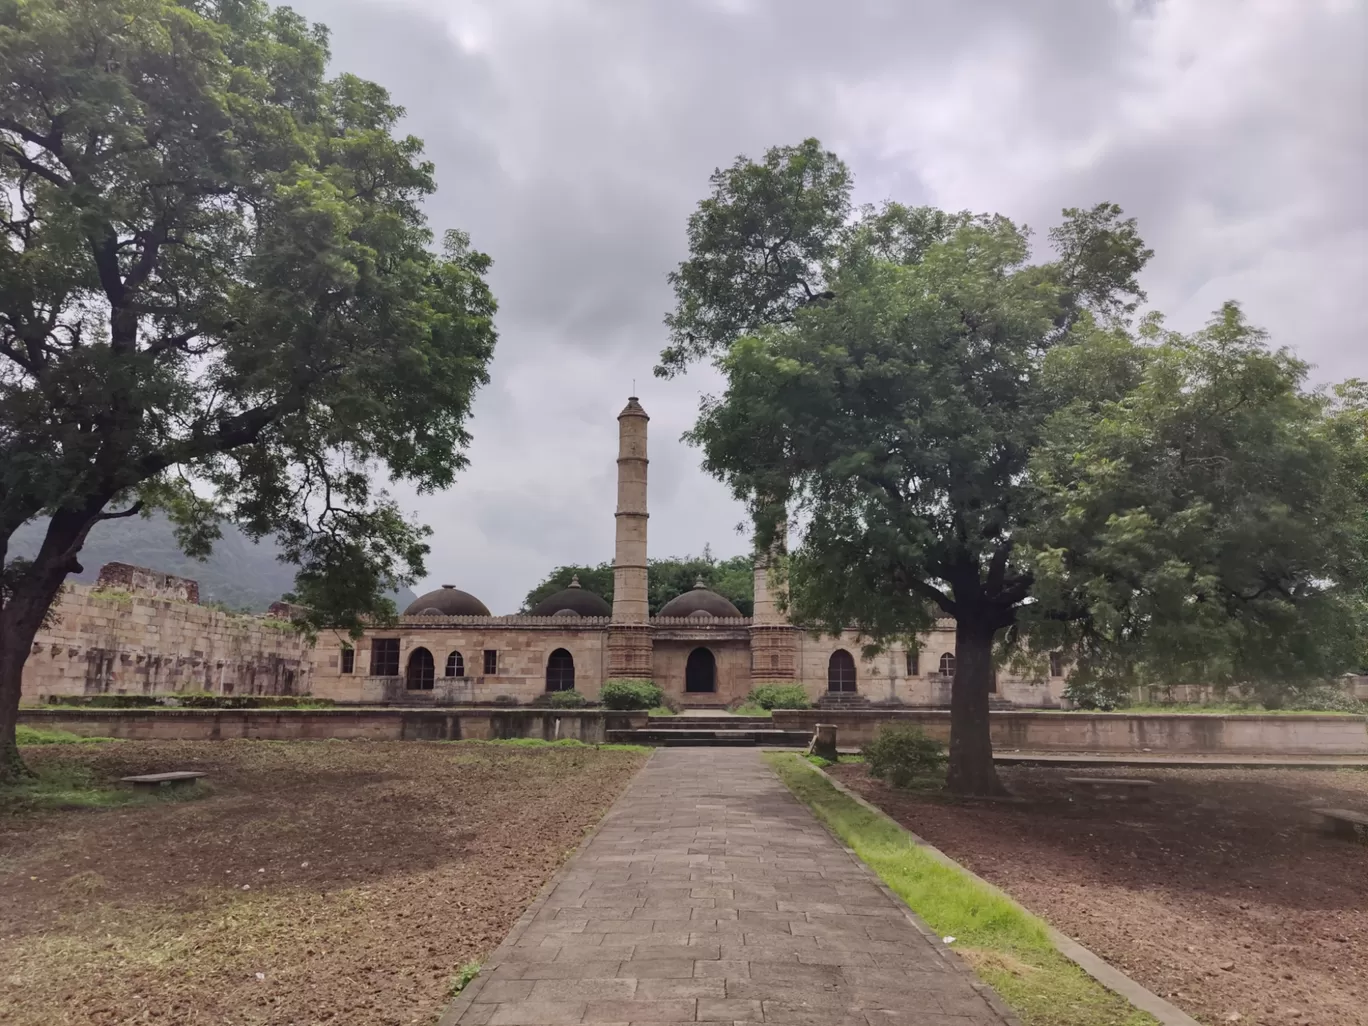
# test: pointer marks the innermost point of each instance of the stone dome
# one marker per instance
(448, 600)
(700, 602)
(573, 601)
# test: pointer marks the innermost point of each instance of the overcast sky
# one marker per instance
(572, 139)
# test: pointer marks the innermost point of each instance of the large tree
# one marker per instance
(916, 391)
(218, 295)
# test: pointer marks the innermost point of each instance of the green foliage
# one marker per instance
(627, 693)
(759, 248)
(968, 433)
(562, 700)
(463, 978)
(666, 578)
(62, 785)
(992, 932)
(220, 299)
(107, 701)
(39, 736)
(779, 696)
(904, 755)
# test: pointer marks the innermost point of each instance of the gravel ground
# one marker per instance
(319, 882)
(1220, 893)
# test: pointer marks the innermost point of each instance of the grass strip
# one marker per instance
(1008, 948)
(42, 736)
(62, 785)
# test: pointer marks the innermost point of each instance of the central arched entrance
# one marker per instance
(700, 673)
(841, 672)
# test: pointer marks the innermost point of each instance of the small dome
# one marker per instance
(699, 602)
(573, 601)
(448, 600)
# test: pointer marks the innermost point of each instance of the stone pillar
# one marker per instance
(629, 631)
(774, 642)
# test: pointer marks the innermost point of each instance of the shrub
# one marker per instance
(631, 694)
(779, 696)
(562, 700)
(900, 755)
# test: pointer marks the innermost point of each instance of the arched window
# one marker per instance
(947, 664)
(841, 671)
(421, 670)
(560, 671)
(455, 666)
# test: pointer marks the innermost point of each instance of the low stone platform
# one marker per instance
(710, 894)
(711, 730)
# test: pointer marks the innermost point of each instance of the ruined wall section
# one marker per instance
(132, 638)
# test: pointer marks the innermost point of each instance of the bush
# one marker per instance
(193, 700)
(631, 694)
(900, 755)
(779, 696)
(562, 700)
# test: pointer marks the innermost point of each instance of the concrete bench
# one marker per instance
(1344, 822)
(1127, 785)
(175, 779)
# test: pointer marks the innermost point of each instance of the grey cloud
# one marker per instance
(573, 137)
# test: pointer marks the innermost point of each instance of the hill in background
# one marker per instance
(239, 573)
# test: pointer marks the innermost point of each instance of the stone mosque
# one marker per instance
(446, 648)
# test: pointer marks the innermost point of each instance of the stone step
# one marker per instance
(667, 736)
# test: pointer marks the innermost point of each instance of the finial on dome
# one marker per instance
(574, 581)
(698, 582)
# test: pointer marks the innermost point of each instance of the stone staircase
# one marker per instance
(713, 731)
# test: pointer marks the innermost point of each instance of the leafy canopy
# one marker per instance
(965, 431)
(218, 292)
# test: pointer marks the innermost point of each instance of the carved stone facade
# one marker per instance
(707, 658)
(140, 631)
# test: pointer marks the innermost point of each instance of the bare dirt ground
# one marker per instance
(1218, 894)
(319, 882)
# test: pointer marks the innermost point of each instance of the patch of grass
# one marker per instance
(42, 736)
(822, 763)
(60, 785)
(751, 709)
(660, 710)
(1009, 948)
(463, 976)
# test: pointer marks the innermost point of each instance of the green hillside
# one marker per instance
(240, 573)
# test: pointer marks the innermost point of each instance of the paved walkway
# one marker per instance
(711, 895)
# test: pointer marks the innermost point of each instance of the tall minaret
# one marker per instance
(629, 632)
(773, 640)
(629, 560)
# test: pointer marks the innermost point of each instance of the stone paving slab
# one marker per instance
(709, 894)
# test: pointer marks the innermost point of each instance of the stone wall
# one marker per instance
(1112, 732)
(884, 677)
(127, 642)
(523, 645)
(589, 726)
(151, 583)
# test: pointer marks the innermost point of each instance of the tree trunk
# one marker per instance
(11, 672)
(22, 615)
(971, 746)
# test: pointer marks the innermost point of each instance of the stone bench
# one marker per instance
(174, 779)
(1129, 786)
(1344, 822)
